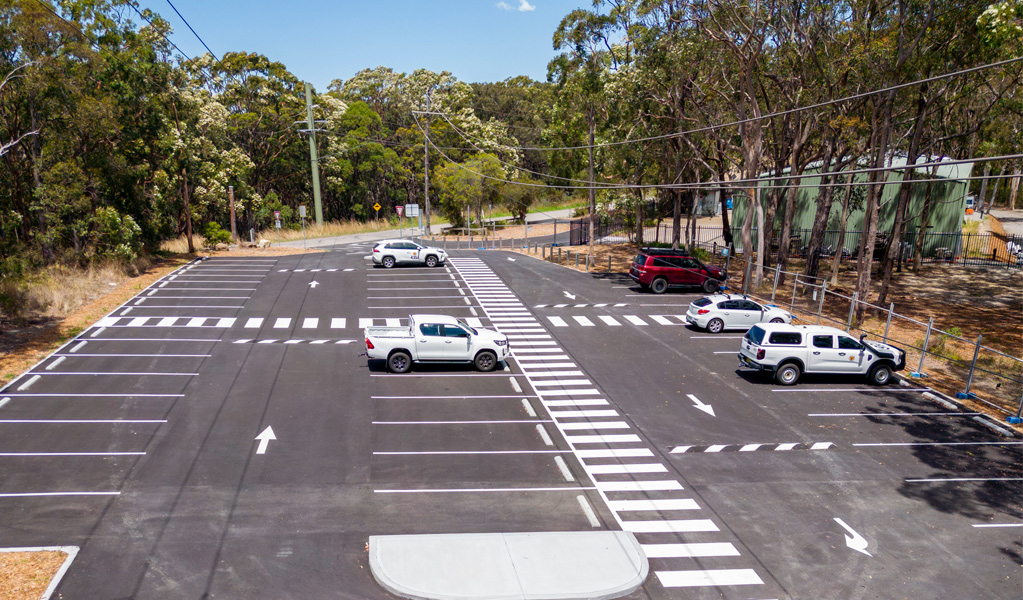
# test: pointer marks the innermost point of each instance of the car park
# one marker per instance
(658, 269)
(389, 253)
(439, 339)
(787, 351)
(731, 311)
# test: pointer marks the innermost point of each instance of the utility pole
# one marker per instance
(426, 160)
(230, 195)
(314, 161)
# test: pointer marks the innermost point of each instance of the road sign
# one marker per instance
(301, 211)
(412, 210)
(278, 223)
(399, 209)
(277, 215)
(376, 206)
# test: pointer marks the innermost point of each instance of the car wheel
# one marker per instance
(431, 261)
(777, 320)
(711, 285)
(880, 375)
(485, 361)
(659, 285)
(715, 326)
(788, 374)
(399, 362)
(388, 262)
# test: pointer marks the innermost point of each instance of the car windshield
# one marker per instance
(702, 302)
(755, 335)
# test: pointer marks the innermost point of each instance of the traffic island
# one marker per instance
(570, 564)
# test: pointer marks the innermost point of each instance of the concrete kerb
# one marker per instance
(950, 403)
(507, 566)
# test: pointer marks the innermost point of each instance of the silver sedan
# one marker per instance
(730, 311)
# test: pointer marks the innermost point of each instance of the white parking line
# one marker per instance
(639, 486)
(484, 490)
(689, 550)
(661, 504)
(719, 577)
(81, 421)
(609, 321)
(48, 494)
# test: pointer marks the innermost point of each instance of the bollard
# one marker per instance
(608, 263)
(820, 305)
(852, 309)
(891, 309)
(777, 272)
(543, 253)
(923, 351)
(577, 260)
(965, 394)
(1017, 420)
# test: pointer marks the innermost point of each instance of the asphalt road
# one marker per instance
(137, 442)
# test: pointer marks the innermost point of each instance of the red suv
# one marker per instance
(658, 269)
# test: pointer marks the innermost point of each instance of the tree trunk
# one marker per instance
(994, 192)
(983, 188)
(836, 261)
(820, 219)
(872, 209)
(921, 230)
(188, 211)
(1014, 189)
(676, 218)
(640, 216)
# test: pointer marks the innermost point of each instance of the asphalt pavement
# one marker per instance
(222, 435)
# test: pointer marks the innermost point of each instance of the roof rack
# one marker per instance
(664, 251)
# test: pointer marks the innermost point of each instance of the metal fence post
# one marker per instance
(923, 351)
(795, 285)
(543, 252)
(852, 309)
(965, 394)
(777, 272)
(820, 305)
(577, 260)
(891, 309)
(608, 263)
(1016, 420)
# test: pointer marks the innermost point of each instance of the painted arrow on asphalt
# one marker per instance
(707, 408)
(512, 259)
(570, 296)
(264, 439)
(855, 541)
(313, 284)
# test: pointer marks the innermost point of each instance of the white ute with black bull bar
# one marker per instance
(436, 338)
(788, 351)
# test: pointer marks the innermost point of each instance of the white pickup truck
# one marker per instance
(788, 351)
(436, 338)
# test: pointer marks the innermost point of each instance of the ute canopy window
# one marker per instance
(755, 335)
(786, 338)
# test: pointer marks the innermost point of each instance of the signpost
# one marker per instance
(399, 209)
(277, 218)
(412, 211)
(376, 207)
(301, 213)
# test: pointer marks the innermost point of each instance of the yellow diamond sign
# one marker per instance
(376, 206)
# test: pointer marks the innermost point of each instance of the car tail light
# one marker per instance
(376, 249)
(369, 345)
(702, 311)
(761, 353)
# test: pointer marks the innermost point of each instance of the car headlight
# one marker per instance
(501, 342)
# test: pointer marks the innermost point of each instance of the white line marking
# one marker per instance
(557, 321)
(561, 382)
(923, 414)
(563, 414)
(364, 323)
(282, 323)
(196, 322)
(614, 453)
(543, 435)
(13, 454)
(670, 579)
(998, 525)
(55, 363)
(689, 550)
(943, 444)
(634, 320)
(310, 323)
(543, 358)
(939, 479)
(625, 469)
(583, 402)
(98, 331)
(594, 426)
(254, 323)
(506, 422)
(137, 322)
(515, 385)
(3, 402)
(79, 421)
(848, 390)
(29, 383)
(578, 392)
(583, 321)
(588, 510)
(528, 408)
(602, 439)
(468, 452)
(481, 490)
(639, 486)
(560, 365)
(78, 346)
(660, 320)
(45, 494)
(338, 323)
(609, 320)
(661, 504)
(563, 467)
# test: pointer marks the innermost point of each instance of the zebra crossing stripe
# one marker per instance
(254, 323)
(337, 323)
(670, 526)
(718, 577)
(697, 550)
(717, 448)
(609, 320)
(661, 504)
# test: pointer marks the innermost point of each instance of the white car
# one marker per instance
(436, 338)
(406, 252)
(730, 311)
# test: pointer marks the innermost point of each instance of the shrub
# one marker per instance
(214, 235)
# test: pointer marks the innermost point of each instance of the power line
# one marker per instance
(183, 19)
(777, 114)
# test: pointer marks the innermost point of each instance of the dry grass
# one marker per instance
(59, 290)
(26, 575)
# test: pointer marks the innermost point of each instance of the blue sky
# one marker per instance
(319, 40)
